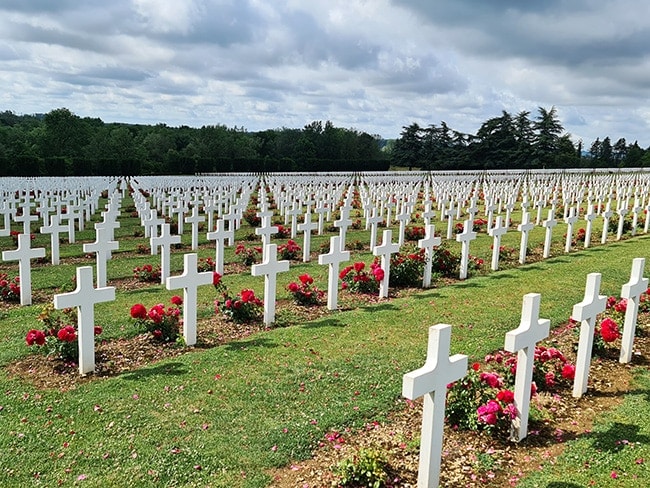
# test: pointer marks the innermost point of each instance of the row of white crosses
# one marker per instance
(431, 380)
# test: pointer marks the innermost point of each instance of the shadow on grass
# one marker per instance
(155, 289)
(320, 324)
(173, 369)
(249, 343)
(383, 306)
(611, 439)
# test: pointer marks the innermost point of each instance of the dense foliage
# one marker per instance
(61, 143)
(508, 142)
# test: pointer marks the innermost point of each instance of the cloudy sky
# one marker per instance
(372, 65)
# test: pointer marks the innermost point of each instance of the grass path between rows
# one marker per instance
(222, 417)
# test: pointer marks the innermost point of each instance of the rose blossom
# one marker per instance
(138, 311)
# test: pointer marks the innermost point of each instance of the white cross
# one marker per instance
(54, 229)
(607, 214)
(431, 381)
(102, 248)
(631, 291)
(589, 218)
(307, 226)
(496, 233)
(465, 238)
(5, 211)
(449, 213)
(622, 212)
(636, 210)
(293, 213)
(523, 340)
(219, 235)
(428, 243)
(333, 258)
(428, 213)
(267, 229)
(403, 219)
(549, 223)
(270, 267)
(385, 250)
(570, 220)
(165, 240)
(189, 281)
(84, 297)
(374, 221)
(24, 254)
(343, 223)
(525, 227)
(26, 218)
(194, 220)
(586, 312)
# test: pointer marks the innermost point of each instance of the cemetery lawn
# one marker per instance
(248, 401)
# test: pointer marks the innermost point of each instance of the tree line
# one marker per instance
(510, 142)
(61, 143)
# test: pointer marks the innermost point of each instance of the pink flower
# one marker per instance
(510, 411)
(379, 274)
(621, 305)
(488, 413)
(492, 379)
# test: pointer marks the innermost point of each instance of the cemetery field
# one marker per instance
(250, 401)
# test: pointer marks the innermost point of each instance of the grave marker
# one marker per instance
(219, 235)
(84, 298)
(270, 267)
(54, 229)
(525, 227)
(24, 254)
(333, 259)
(428, 243)
(194, 220)
(586, 312)
(102, 248)
(523, 340)
(431, 381)
(549, 223)
(189, 281)
(385, 250)
(631, 291)
(306, 227)
(165, 240)
(465, 238)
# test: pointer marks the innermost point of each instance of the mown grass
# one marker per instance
(223, 416)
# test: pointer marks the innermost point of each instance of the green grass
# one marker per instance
(212, 416)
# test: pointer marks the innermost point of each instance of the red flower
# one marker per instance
(157, 334)
(247, 295)
(138, 311)
(568, 371)
(621, 305)
(358, 267)
(35, 337)
(98, 329)
(379, 274)
(157, 313)
(176, 300)
(67, 334)
(609, 330)
(476, 366)
(216, 278)
(506, 396)
(305, 279)
(293, 287)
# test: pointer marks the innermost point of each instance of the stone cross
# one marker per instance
(496, 232)
(523, 340)
(54, 229)
(194, 220)
(385, 250)
(84, 297)
(631, 291)
(403, 219)
(428, 243)
(165, 240)
(374, 221)
(270, 267)
(102, 248)
(333, 258)
(607, 214)
(586, 312)
(449, 213)
(589, 219)
(343, 223)
(306, 227)
(24, 254)
(219, 235)
(570, 221)
(431, 381)
(465, 238)
(189, 281)
(549, 223)
(525, 227)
